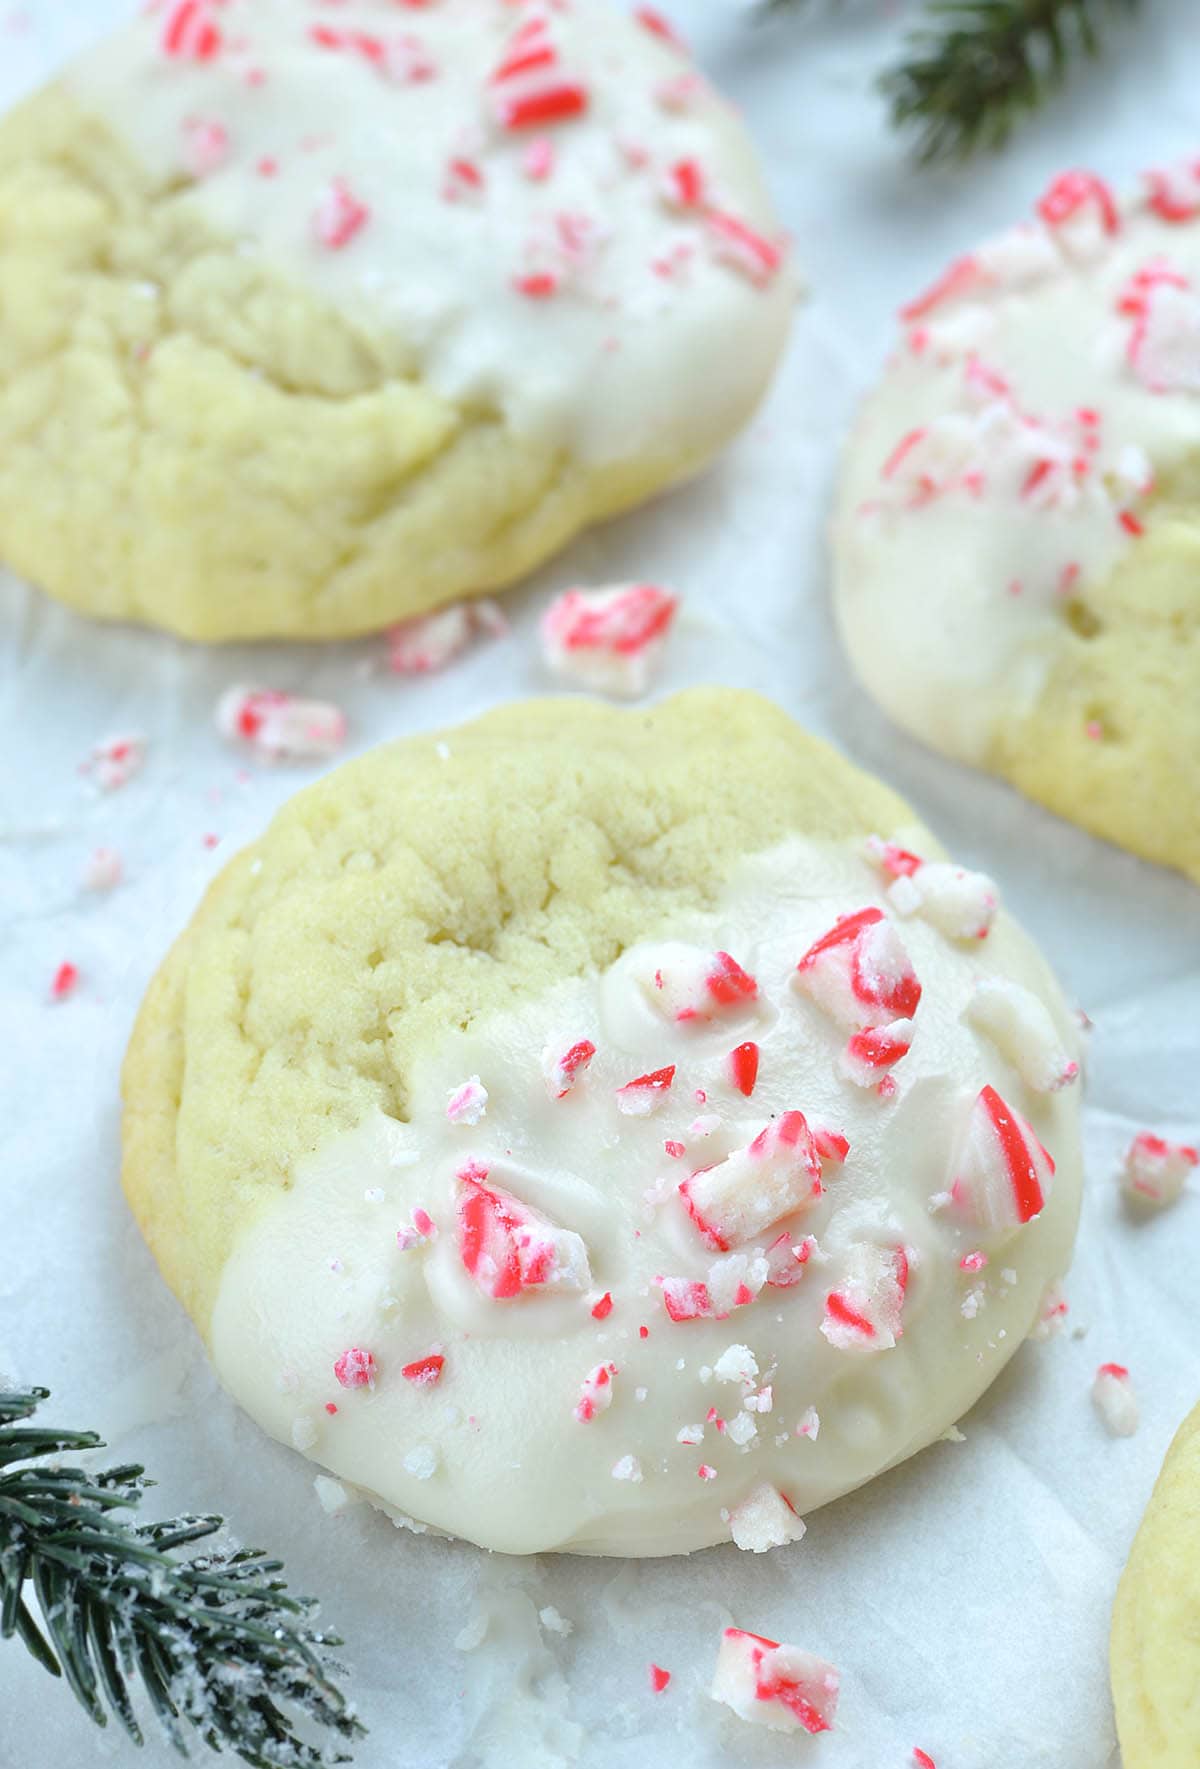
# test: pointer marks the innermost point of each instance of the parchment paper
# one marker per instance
(965, 1597)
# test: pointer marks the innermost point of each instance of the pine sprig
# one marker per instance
(215, 1642)
(973, 68)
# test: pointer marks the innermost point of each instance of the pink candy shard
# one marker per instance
(467, 1104)
(959, 903)
(1174, 194)
(743, 1068)
(113, 762)
(427, 643)
(1155, 1170)
(191, 32)
(767, 1519)
(776, 1175)
(775, 1685)
(860, 973)
(280, 727)
(864, 1313)
(355, 1368)
(610, 640)
(1164, 345)
(690, 986)
(1115, 1400)
(596, 1394)
(509, 1248)
(645, 1093)
(66, 981)
(339, 216)
(562, 1068)
(734, 242)
(1075, 194)
(1019, 1024)
(659, 1679)
(687, 1299)
(1001, 1174)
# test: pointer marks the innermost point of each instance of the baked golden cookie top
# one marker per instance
(1155, 1656)
(1017, 526)
(605, 1130)
(368, 309)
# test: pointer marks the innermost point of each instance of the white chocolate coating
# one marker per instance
(303, 112)
(1042, 392)
(525, 1439)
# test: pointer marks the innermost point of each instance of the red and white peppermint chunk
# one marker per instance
(774, 1176)
(767, 1519)
(529, 87)
(596, 1394)
(1082, 212)
(864, 1313)
(562, 1067)
(787, 1258)
(428, 642)
(280, 727)
(860, 972)
(1000, 1174)
(113, 762)
(773, 1684)
(1019, 1024)
(1115, 1401)
(339, 216)
(1155, 1170)
(1164, 344)
(1174, 192)
(958, 903)
(356, 1368)
(610, 640)
(510, 1249)
(734, 242)
(645, 1094)
(689, 986)
(730, 1283)
(191, 31)
(871, 1053)
(468, 1102)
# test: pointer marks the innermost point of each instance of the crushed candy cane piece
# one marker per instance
(734, 242)
(870, 1053)
(1115, 1400)
(421, 1461)
(331, 1495)
(809, 1424)
(1155, 1170)
(1001, 1174)
(659, 1679)
(422, 1229)
(1174, 193)
(860, 973)
(778, 1173)
(646, 1093)
(425, 1372)
(65, 981)
(864, 1313)
(508, 1248)
(1019, 1024)
(428, 642)
(692, 986)
(922, 1759)
(628, 1468)
(958, 903)
(190, 32)
(113, 762)
(562, 1068)
(104, 870)
(831, 1145)
(467, 1104)
(786, 1260)
(339, 216)
(1052, 1314)
(596, 1394)
(743, 1067)
(278, 726)
(602, 1309)
(205, 145)
(356, 1368)
(737, 1363)
(690, 1434)
(767, 1519)
(610, 640)
(775, 1685)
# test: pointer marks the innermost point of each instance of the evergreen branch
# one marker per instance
(215, 1642)
(973, 68)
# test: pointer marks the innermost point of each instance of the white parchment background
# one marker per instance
(966, 1596)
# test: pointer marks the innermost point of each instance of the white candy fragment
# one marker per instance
(554, 1622)
(774, 1685)
(421, 1461)
(596, 1394)
(764, 1520)
(1114, 1400)
(1155, 1170)
(421, 646)
(958, 903)
(864, 1313)
(737, 1363)
(774, 1176)
(508, 1248)
(628, 1468)
(1019, 1024)
(1000, 1173)
(332, 1495)
(609, 640)
(304, 1432)
(467, 1104)
(280, 727)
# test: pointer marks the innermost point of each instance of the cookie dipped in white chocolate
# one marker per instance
(674, 1253)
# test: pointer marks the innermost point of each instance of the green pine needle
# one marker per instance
(214, 1642)
(973, 68)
